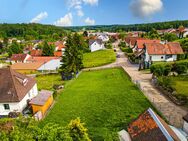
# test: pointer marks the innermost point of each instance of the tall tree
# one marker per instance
(15, 48)
(72, 59)
(48, 50)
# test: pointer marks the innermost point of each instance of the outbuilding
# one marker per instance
(42, 102)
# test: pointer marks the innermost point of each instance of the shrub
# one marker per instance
(161, 69)
(181, 66)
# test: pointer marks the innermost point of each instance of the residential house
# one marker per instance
(19, 58)
(59, 49)
(131, 41)
(103, 37)
(139, 45)
(36, 52)
(26, 67)
(51, 65)
(155, 52)
(96, 45)
(164, 31)
(15, 91)
(151, 127)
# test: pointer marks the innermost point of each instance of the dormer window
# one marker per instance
(25, 82)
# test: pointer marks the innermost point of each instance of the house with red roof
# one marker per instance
(131, 41)
(157, 52)
(36, 52)
(151, 127)
(19, 58)
(139, 45)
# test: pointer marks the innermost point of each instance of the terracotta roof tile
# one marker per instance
(26, 66)
(160, 49)
(140, 42)
(146, 128)
(18, 57)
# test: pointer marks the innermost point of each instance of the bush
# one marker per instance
(127, 50)
(181, 66)
(161, 69)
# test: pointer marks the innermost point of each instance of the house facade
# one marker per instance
(16, 91)
(96, 45)
(157, 52)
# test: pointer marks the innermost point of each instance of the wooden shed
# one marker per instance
(42, 102)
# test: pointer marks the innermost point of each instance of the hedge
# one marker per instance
(164, 68)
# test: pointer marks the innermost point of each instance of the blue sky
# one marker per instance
(92, 12)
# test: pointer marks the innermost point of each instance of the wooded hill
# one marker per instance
(133, 27)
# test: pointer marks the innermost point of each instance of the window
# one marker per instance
(162, 57)
(6, 106)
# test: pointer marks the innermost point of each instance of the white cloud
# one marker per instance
(78, 7)
(89, 21)
(39, 17)
(80, 13)
(65, 21)
(91, 2)
(145, 8)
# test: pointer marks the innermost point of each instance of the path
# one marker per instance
(172, 112)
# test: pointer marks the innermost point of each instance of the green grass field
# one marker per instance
(105, 100)
(98, 58)
(48, 81)
(180, 83)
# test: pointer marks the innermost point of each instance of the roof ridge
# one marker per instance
(11, 73)
(160, 125)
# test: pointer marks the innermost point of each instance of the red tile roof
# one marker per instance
(170, 48)
(146, 128)
(18, 57)
(41, 59)
(132, 40)
(14, 86)
(140, 42)
(36, 52)
(58, 54)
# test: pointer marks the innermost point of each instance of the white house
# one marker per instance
(52, 65)
(15, 91)
(162, 52)
(19, 58)
(103, 37)
(95, 45)
(156, 52)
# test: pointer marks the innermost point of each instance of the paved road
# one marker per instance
(172, 112)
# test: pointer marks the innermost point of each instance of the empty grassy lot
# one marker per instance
(180, 83)
(48, 81)
(98, 58)
(105, 100)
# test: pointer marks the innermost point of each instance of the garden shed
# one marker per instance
(42, 102)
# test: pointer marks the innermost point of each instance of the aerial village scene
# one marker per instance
(93, 70)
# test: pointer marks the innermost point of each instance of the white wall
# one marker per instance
(95, 46)
(19, 106)
(51, 65)
(185, 127)
(156, 58)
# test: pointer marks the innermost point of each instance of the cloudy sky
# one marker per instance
(92, 12)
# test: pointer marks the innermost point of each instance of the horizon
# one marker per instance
(91, 12)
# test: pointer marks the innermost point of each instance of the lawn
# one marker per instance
(98, 58)
(48, 81)
(105, 100)
(180, 83)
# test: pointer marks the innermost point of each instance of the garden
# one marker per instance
(172, 77)
(105, 100)
(98, 58)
